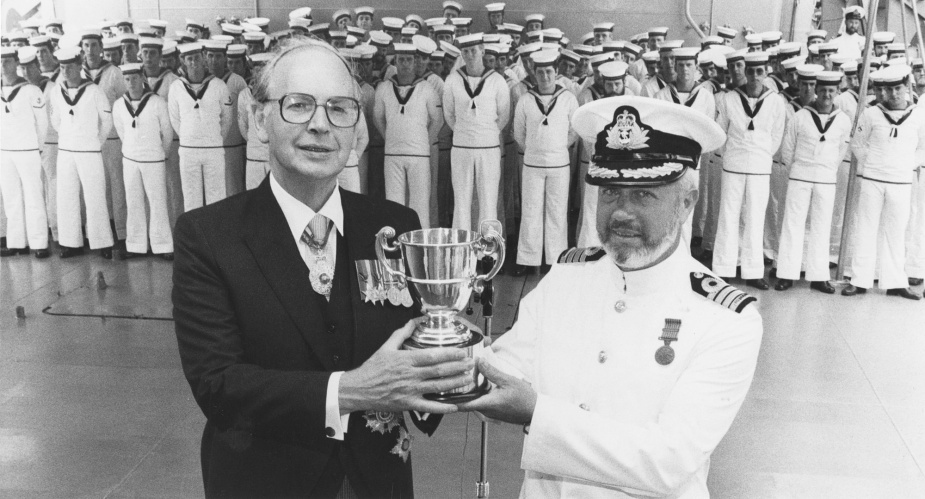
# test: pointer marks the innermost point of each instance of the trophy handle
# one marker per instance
(492, 243)
(382, 245)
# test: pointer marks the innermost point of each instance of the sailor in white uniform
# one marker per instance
(83, 117)
(753, 118)
(24, 123)
(685, 90)
(216, 56)
(142, 121)
(659, 354)
(815, 141)
(109, 79)
(476, 105)
(406, 114)
(30, 64)
(890, 144)
(200, 112)
(258, 152)
(608, 81)
(543, 132)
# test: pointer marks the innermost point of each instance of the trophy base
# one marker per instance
(477, 387)
(459, 398)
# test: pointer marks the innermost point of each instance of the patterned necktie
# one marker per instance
(321, 271)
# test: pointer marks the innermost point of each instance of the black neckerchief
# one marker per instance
(817, 120)
(691, 96)
(55, 74)
(427, 74)
(556, 92)
(402, 101)
(478, 89)
(13, 93)
(661, 83)
(196, 96)
(894, 132)
(791, 92)
(159, 81)
(80, 92)
(99, 72)
(44, 84)
(581, 81)
(854, 94)
(748, 109)
(141, 105)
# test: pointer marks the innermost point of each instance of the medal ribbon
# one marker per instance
(552, 102)
(894, 132)
(141, 105)
(818, 122)
(13, 94)
(319, 276)
(478, 89)
(748, 109)
(80, 92)
(196, 96)
(665, 354)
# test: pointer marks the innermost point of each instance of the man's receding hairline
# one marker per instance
(303, 48)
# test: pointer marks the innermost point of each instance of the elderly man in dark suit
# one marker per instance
(302, 380)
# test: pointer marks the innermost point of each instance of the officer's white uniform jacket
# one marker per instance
(609, 420)
(407, 116)
(256, 150)
(751, 151)
(850, 45)
(82, 116)
(477, 109)
(890, 152)
(144, 127)
(700, 98)
(542, 127)
(812, 159)
(25, 117)
(203, 118)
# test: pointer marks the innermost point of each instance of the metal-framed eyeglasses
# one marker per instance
(298, 109)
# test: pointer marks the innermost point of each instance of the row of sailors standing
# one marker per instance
(115, 178)
(656, 69)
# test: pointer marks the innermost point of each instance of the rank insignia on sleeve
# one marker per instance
(578, 255)
(715, 289)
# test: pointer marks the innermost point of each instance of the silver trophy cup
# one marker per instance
(441, 266)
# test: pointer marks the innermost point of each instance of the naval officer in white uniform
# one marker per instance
(628, 364)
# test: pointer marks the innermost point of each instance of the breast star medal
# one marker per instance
(665, 354)
(381, 421)
(403, 447)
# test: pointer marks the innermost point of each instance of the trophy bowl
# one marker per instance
(441, 268)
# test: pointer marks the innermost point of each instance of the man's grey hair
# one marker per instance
(288, 46)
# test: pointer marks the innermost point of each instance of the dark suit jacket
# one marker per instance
(257, 351)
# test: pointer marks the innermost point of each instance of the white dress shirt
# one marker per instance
(298, 215)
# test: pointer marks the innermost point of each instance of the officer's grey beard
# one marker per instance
(629, 259)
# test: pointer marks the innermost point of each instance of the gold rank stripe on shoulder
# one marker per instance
(578, 255)
(715, 289)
